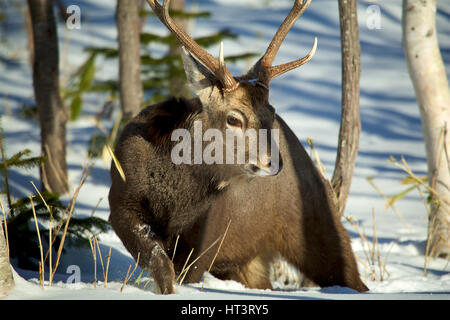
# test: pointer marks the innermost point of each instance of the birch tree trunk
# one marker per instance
(427, 72)
(52, 115)
(130, 85)
(350, 128)
(6, 277)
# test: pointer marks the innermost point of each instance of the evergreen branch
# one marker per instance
(178, 14)
(105, 51)
(107, 85)
(244, 56)
(16, 161)
(80, 226)
(208, 41)
(147, 37)
(149, 60)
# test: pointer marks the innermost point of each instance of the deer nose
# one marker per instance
(265, 161)
(272, 167)
(269, 168)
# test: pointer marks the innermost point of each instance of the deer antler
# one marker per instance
(265, 72)
(217, 68)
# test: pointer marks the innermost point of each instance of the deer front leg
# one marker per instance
(161, 268)
(141, 242)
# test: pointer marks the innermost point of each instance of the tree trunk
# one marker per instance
(350, 117)
(52, 115)
(128, 27)
(427, 72)
(6, 277)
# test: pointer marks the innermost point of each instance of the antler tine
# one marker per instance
(275, 71)
(296, 11)
(266, 71)
(221, 58)
(207, 60)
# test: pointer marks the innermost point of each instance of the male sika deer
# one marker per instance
(271, 210)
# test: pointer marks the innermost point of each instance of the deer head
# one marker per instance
(236, 103)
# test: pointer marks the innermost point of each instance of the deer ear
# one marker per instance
(200, 79)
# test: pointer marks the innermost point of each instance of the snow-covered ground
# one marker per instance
(308, 99)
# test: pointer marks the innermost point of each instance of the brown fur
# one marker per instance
(292, 213)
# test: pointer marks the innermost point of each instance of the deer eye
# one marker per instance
(234, 122)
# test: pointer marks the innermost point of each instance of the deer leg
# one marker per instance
(141, 242)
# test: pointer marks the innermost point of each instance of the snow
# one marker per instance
(309, 101)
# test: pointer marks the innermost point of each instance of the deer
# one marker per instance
(163, 211)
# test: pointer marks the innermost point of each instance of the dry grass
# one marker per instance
(373, 264)
(217, 252)
(185, 269)
(430, 204)
(116, 163)
(315, 155)
(431, 200)
(100, 256)
(92, 241)
(108, 259)
(431, 247)
(50, 229)
(129, 275)
(95, 248)
(175, 248)
(390, 201)
(86, 172)
(54, 230)
(419, 181)
(41, 263)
